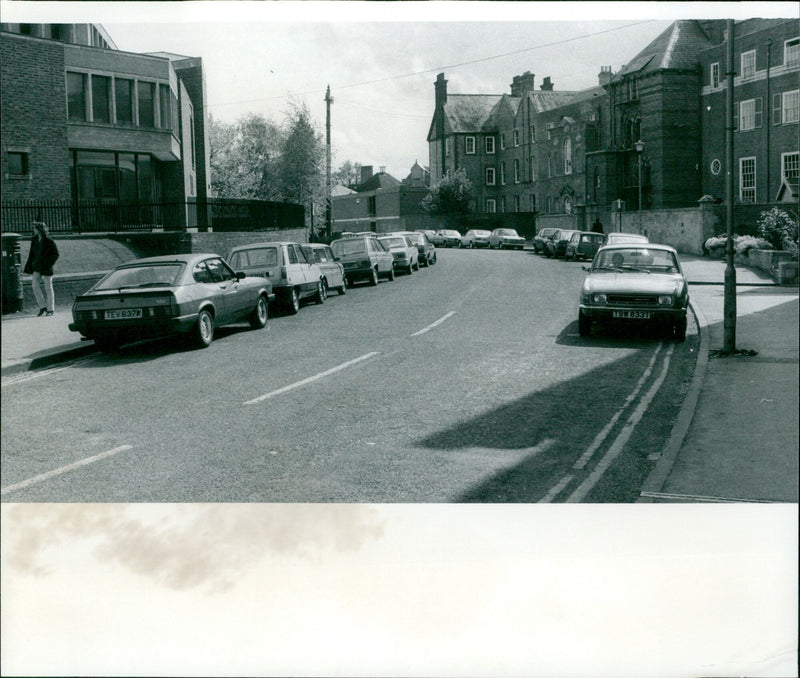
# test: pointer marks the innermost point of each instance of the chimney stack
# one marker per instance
(605, 75)
(522, 84)
(546, 85)
(366, 173)
(441, 90)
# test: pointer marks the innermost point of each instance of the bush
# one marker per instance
(741, 243)
(777, 227)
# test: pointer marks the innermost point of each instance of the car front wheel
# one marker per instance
(373, 277)
(679, 329)
(258, 318)
(204, 329)
(320, 296)
(294, 301)
(343, 288)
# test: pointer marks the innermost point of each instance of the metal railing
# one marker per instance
(107, 216)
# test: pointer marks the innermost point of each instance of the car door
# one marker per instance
(231, 299)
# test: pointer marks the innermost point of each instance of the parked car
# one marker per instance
(449, 237)
(187, 294)
(405, 253)
(506, 237)
(640, 283)
(475, 238)
(583, 245)
(292, 275)
(426, 251)
(622, 238)
(434, 237)
(333, 277)
(556, 246)
(364, 258)
(541, 238)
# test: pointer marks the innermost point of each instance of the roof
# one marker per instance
(676, 48)
(548, 100)
(376, 182)
(469, 112)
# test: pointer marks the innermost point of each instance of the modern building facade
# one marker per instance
(650, 136)
(83, 121)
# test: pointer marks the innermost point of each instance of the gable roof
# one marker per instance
(469, 112)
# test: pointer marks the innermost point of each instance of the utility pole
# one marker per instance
(328, 215)
(729, 304)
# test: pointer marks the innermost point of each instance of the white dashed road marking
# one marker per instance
(434, 324)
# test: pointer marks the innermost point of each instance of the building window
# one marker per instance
(146, 98)
(714, 76)
(164, 106)
(550, 166)
(490, 145)
(516, 137)
(490, 176)
(790, 107)
(533, 202)
(749, 114)
(567, 204)
(533, 133)
(549, 204)
(791, 53)
(516, 172)
(502, 174)
(76, 96)
(567, 156)
(747, 179)
(533, 169)
(101, 98)
(517, 204)
(748, 61)
(123, 93)
(790, 166)
(17, 164)
(447, 146)
(502, 141)
(633, 89)
(469, 145)
(491, 205)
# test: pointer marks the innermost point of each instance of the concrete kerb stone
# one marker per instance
(658, 476)
(49, 358)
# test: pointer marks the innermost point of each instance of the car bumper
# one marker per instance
(134, 329)
(632, 314)
(358, 273)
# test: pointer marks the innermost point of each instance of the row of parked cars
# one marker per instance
(499, 238)
(192, 294)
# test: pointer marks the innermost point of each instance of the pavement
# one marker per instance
(736, 435)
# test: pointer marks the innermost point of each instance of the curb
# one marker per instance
(658, 476)
(50, 357)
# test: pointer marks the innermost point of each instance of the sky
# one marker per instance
(380, 590)
(381, 59)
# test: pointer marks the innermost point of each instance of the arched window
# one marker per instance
(567, 156)
(567, 204)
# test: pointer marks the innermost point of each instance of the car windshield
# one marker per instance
(257, 256)
(417, 239)
(342, 248)
(636, 259)
(148, 275)
(393, 242)
(505, 231)
(451, 233)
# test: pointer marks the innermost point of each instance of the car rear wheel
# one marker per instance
(390, 274)
(294, 301)
(373, 277)
(321, 294)
(203, 333)
(584, 325)
(258, 318)
(343, 288)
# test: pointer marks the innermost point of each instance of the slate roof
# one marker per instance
(377, 181)
(469, 112)
(676, 48)
(542, 101)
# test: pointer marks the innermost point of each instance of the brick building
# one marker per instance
(553, 152)
(83, 121)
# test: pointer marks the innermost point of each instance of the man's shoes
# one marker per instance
(49, 313)
(42, 311)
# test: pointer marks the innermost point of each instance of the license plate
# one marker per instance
(636, 315)
(123, 313)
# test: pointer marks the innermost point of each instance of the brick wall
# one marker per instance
(33, 114)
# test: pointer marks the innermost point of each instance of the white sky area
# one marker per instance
(394, 590)
(381, 59)
(409, 590)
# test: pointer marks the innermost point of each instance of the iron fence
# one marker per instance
(104, 216)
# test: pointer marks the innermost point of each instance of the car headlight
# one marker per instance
(600, 298)
(665, 300)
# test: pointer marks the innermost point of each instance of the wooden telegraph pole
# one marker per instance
(729, 304)
(328, 102)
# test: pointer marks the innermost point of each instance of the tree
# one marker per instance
(348, 174)
(452, 195)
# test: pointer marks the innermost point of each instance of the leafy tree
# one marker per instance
(348, 174)
(776, 226)
(301, 158)
(452, 195)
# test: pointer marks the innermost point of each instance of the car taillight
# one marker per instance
(283, 273)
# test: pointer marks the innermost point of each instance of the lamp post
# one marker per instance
(639, 146)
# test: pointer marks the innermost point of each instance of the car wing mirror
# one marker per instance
(240, 275)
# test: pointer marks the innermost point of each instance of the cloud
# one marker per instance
(186, 546)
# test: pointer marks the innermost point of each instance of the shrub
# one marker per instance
(741, 243)
(777, 227)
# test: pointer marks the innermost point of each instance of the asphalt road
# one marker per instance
(464, 382)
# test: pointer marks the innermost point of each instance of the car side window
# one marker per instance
(301, 255)
(291, 256)
(201, 273)
(219, 270)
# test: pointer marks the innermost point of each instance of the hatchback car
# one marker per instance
(475, 238)
(449, 237)
(292, 275)
(364, 258)
(405, 253)
(426, 252)
(506, 237)
(435, 238)
(583, 245)
(333, 277)
(635, 283)
(621, 238)
(556, 246)
(541, 238)
(187, 294)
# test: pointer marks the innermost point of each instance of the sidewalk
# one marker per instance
(736, 437)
